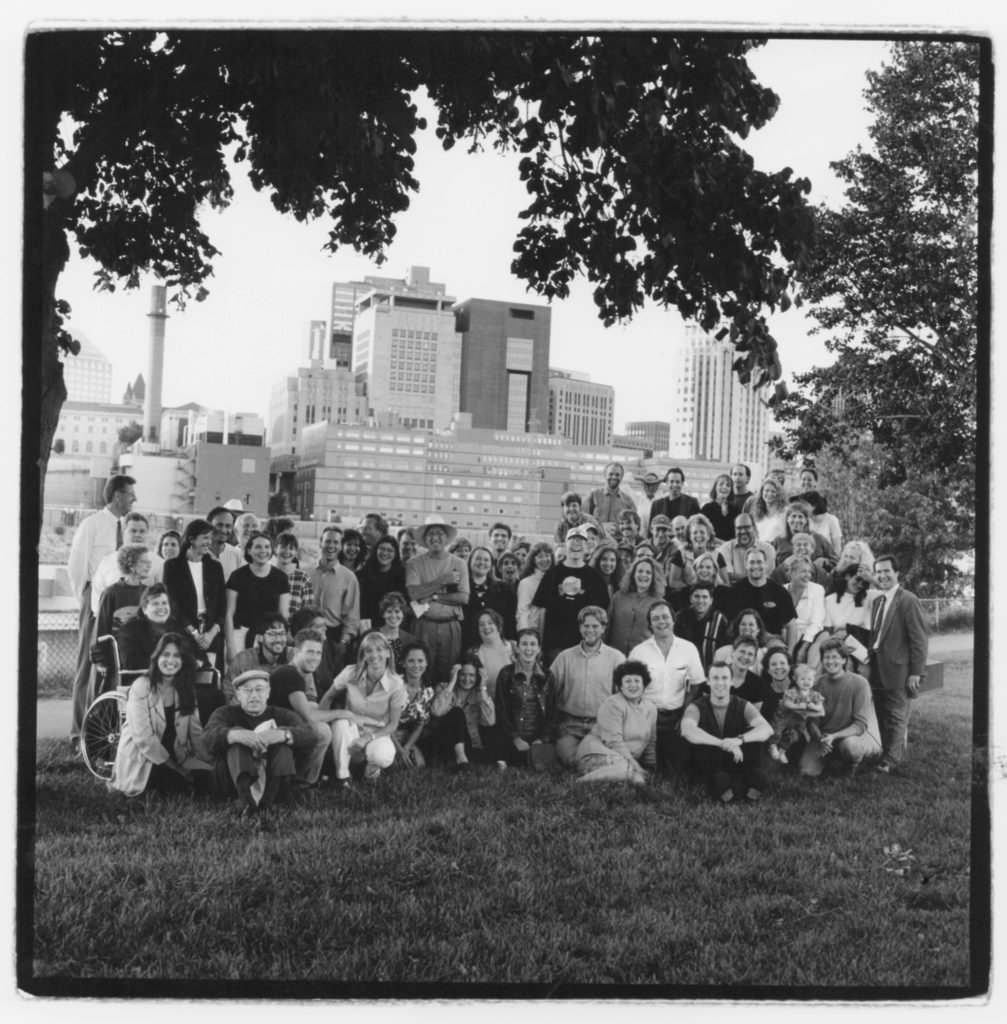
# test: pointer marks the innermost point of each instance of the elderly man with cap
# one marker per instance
(565, 589)
(438, 585)
(254, 745)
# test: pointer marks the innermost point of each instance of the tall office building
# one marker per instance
(504, 364)
(654, 434)
(715, 417)
(325, 389)
(406, 351)
(579, 410)
(88, 376)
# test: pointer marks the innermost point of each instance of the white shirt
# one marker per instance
(670, 676)
(811, 611)
(92, 541)
(108, 572)
(196, 571)
(230, 558)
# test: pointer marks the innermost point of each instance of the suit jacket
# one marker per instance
(902, 651)
(684, 505)
(182, 591)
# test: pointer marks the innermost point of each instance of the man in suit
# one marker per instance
(675, 503)
(898, 650)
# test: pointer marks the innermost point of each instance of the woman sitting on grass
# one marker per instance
(161, 745)
(419, 697)
(392, 610)
(524, 701)
(376, 696)
(463, 718)
(622, 743)
(493, 652)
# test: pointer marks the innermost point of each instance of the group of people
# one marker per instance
(652, 635)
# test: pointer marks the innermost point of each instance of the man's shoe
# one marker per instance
(463, 766)
(372, 773)
(884, 768)
(343, 784)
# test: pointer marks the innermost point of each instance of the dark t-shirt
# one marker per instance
(256, 594)
(561, 629)
(773, 603)
(284, 681)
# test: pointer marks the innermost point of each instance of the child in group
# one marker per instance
(795, 717)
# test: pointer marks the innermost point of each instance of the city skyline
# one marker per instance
(272, 278)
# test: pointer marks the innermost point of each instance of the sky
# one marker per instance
(273, 275)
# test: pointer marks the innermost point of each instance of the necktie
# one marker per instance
(879, 615)
(118, 534)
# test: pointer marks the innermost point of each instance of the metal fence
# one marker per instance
(949, 614)
(57, 648)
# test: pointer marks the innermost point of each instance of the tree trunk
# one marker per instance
(55, 253)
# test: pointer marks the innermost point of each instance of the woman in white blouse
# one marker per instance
(809, 602)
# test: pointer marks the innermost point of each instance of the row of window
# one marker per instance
(88, 447)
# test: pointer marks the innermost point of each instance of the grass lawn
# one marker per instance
(499, 879)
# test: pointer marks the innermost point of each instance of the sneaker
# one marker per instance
(884, 768)
(343, 783)
(783, 759)
(372, 773)
(753, 794)
(463, 766)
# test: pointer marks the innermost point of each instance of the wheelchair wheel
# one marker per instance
(100, 731)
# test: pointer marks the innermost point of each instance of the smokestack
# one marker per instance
(155, 365)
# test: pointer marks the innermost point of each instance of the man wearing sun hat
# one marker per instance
(438, 586)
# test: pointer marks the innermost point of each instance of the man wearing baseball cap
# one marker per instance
(254, 744)
(565, 589)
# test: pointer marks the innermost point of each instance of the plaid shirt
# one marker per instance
(301, 591)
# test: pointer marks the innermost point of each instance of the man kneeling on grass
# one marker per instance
(849, 729)
(254, 745)
(728, 735)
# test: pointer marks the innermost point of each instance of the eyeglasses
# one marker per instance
(276, 634)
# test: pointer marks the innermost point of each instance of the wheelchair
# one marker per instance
(106, 712)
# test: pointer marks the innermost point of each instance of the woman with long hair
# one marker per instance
(605, 561)
(195, 582)
(823, 521)
(381, 574)
(161, 747)
(848, 614)
(798, 520)
(352, 550)
(641, 587)
(419, 696)
(768, 508)
(486, 591)
(493, 652)
(375, 697)
(253, 590)
(463, 717)
(718, 509)
(539, 561)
